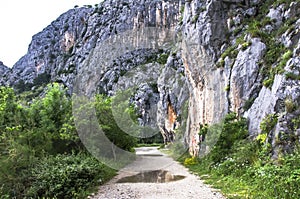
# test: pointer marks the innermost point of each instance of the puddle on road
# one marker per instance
(156, 176)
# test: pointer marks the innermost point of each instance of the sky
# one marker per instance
(20, 20)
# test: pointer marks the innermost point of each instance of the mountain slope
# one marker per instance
(223, 56)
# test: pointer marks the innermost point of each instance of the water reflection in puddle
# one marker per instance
(157, 176)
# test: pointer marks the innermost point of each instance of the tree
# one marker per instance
(51, 118)
(10, 112)
(109, 124)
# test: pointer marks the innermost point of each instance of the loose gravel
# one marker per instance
(149, 158)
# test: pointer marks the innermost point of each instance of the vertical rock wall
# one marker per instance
(225, 62)
(222, 56)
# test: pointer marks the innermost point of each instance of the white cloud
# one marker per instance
(20, 20)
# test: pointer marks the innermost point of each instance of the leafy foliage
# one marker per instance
(9, 109)
(155, 139)
(41, 154)
(67, 176)
(111, 123)
(231, 130)
(41, 80)
(243, 168)
(162, 59)
(268, 123)
(190, 161)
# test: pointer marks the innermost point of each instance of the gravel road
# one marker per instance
(154, 175)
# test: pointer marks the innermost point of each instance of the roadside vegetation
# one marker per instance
(243, 168)
(41, 154)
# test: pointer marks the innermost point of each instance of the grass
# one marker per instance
(292, 76)
(243, 168)
(252, 180)
(232, 51)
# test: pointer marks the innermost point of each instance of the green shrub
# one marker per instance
(248, 103)
(67, 176)
(182, 9)
(190, 161)
(296, 123)
(268, 123)
(15, 160)
(180, 21)
(244, 153)
(266, 21)
(279, 69)
(273, 53)
(278, 181)
(230, 51)
(245, 169)
(195, 18)
(162, 59)
(117, 118)
(245, 45)
(232, 130)
(268, 82)
(290, 106)
(285, 57)
(246, 173)
(227, 88)
(203, 129)
(292, 76)
(220, 63)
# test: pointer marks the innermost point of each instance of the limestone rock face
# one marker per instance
(62, 47)
(4, 73)
(173, 95)
(133, 58)
(245, 75)
(196, 60)
(226, 61)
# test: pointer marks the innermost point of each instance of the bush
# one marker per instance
(290, 106)
(162, 59)
(30, 133)
(67, 176)
(190, 161)
(292, 76)
(278, 181)
(245, 169)
(268, 123)
(232, 130)
(117, 119)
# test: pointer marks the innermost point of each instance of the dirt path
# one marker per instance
(167, 179)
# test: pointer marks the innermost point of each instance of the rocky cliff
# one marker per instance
(3, 71)
(218, 56)
(253, 51)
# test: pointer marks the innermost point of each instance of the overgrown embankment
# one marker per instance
(243, 168)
